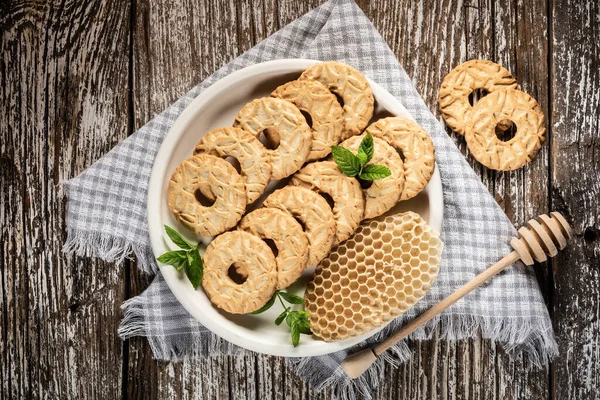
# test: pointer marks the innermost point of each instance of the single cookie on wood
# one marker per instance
(464, 79)
(288, 236)
(352, 87)
(253, 260)
(383, 270)
(346, 193)
(325, 112)
(284, 126)
(313, 211)
(206, 173)
(250, 153)
(415, 147)
(384, 193)
(499, 107)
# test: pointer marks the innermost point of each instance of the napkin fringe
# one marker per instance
(108, 248)
(534, 339)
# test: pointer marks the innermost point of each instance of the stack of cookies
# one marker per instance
(290, 135)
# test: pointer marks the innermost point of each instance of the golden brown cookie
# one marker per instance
(383, 270)
(505, 105)
(464, 79)
(211, 174)
(384, 193)
(251, 154)
(415, 148)
(352, 87)
(325, 113)
(346, 193)
(284, 126)
(287, 235)
(313, 211)
(252, 258)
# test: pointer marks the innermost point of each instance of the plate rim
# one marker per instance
(155, 194)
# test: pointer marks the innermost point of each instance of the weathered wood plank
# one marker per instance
(575, 168)
(63, 85)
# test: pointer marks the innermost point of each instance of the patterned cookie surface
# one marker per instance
(252, 258)
(352, 87)
(415, 146)
(383, 270)
(315, 214)
(325, 112)
(208, 174)
(464, 79)
(488, 113)
(247, 149)
(288, 236)
(384, 193)
(346, 193)
(284, 125)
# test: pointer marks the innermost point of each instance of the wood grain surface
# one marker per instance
(78, 77)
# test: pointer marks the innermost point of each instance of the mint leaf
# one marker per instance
(178, 239)
(374, 172)
(347, 162)
(303, 323)
(295, 334)
(281, 317)
(176, 258)
(194, 269)
(291, 318)
(267, 305)
(291, 298)
(366, 149)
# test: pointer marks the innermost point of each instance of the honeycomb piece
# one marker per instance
(375, 276)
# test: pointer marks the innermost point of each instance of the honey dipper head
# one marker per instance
(542, 237)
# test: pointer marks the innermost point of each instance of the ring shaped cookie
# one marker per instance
(352, 87)
(464, 79)
(288, 236)
(513, 105)
(282, 122)
(313, 211)
(211, 174)
(326, 113)
(349, 205)
(415, 146)
(250, 153)
(251, 257)
(383, 193)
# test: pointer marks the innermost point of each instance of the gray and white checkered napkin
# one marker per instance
(107, 218)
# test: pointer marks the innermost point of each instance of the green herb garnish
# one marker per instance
(355, 165)
(188, 258)
(297, 320)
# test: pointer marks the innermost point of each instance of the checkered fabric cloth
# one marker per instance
(106, 218)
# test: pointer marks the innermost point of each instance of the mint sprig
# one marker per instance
(188, 258)
(297, 320)
(355, 165)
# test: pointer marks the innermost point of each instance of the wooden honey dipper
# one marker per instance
(542, 237)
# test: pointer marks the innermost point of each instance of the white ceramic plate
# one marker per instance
(217, 106)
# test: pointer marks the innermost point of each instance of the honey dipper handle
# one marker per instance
(447, 302)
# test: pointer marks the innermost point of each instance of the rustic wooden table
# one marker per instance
(77, 77)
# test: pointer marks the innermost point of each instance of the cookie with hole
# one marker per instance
(288, 136)
(254, 264)
(463, 80)
(482, 133)
(352, 88)
(289, 241)
(414, 146)
(323, 110)
(205, 173)
(348, 202)
(252, 156)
